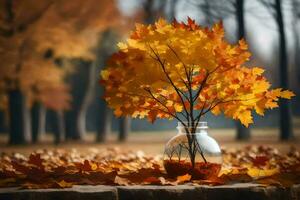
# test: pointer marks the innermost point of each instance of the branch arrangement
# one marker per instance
(183, 71)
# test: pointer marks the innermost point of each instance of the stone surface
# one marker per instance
(185, 192)
(246, 192)
(157, 192)
(75, 193)
(228, 192)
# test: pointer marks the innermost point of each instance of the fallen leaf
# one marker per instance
(35, 159)
(64, 184)
(121, 181)
(184, 178)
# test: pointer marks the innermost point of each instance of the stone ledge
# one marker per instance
(77, 192)
(228, 192)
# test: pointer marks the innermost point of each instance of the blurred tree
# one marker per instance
(275, 8)
(33, 36)
(57, 100)
(3, 112)
(124, 128)
(215, 10)
(242, 132)
(172, 10)
(49, 91)
(296, 33)
(111, 18)
(16, 48)
(286, 131)
(77, 81)
(38, 114)
(154, 9)
(106, 47)
(207, 11)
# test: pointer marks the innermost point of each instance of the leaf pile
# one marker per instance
(60, 168)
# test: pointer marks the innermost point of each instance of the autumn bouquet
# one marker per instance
(183, 71)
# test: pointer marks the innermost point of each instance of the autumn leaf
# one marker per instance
(287, 94)
(245, 117)
(257, 70)
(236, 175)
(253, 164)
(258, 173)
(64, 184)
(153, 180)
(183, 178)
(121, 181)
(20, 167)
(87, 166)
(35, 159)
(260, 160)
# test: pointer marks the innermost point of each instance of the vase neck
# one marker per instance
(199, 132)
(186, 128)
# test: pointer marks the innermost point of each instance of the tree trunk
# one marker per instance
(296, 34)
(19, 118)
(78, 80)
(105, 115)
(286, 131)
(207, 11)
(243, 133)
(104, 124)
(3, 124)
(38, 114)
(59, 128)
(154, 9)
(70, 124)
(148, 8)
(172, 12)
(124, 128)
(297, 52)
(88, 98)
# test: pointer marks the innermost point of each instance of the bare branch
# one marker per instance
(184, 65)
(270, 7)
(169, 112)
(201, 87)
(178, 91)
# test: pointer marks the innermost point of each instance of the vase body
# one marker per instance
(192, 152)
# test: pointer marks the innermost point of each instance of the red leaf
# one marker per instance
(35, 159)
(260, 161)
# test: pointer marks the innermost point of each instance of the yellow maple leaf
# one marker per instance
(245, 117)
(178, 107)
(122, 45)
(104, 74)
(183, 178)
(64, 184)
(287, 94)
(258, 173)
(216, 110)
(257, 71)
